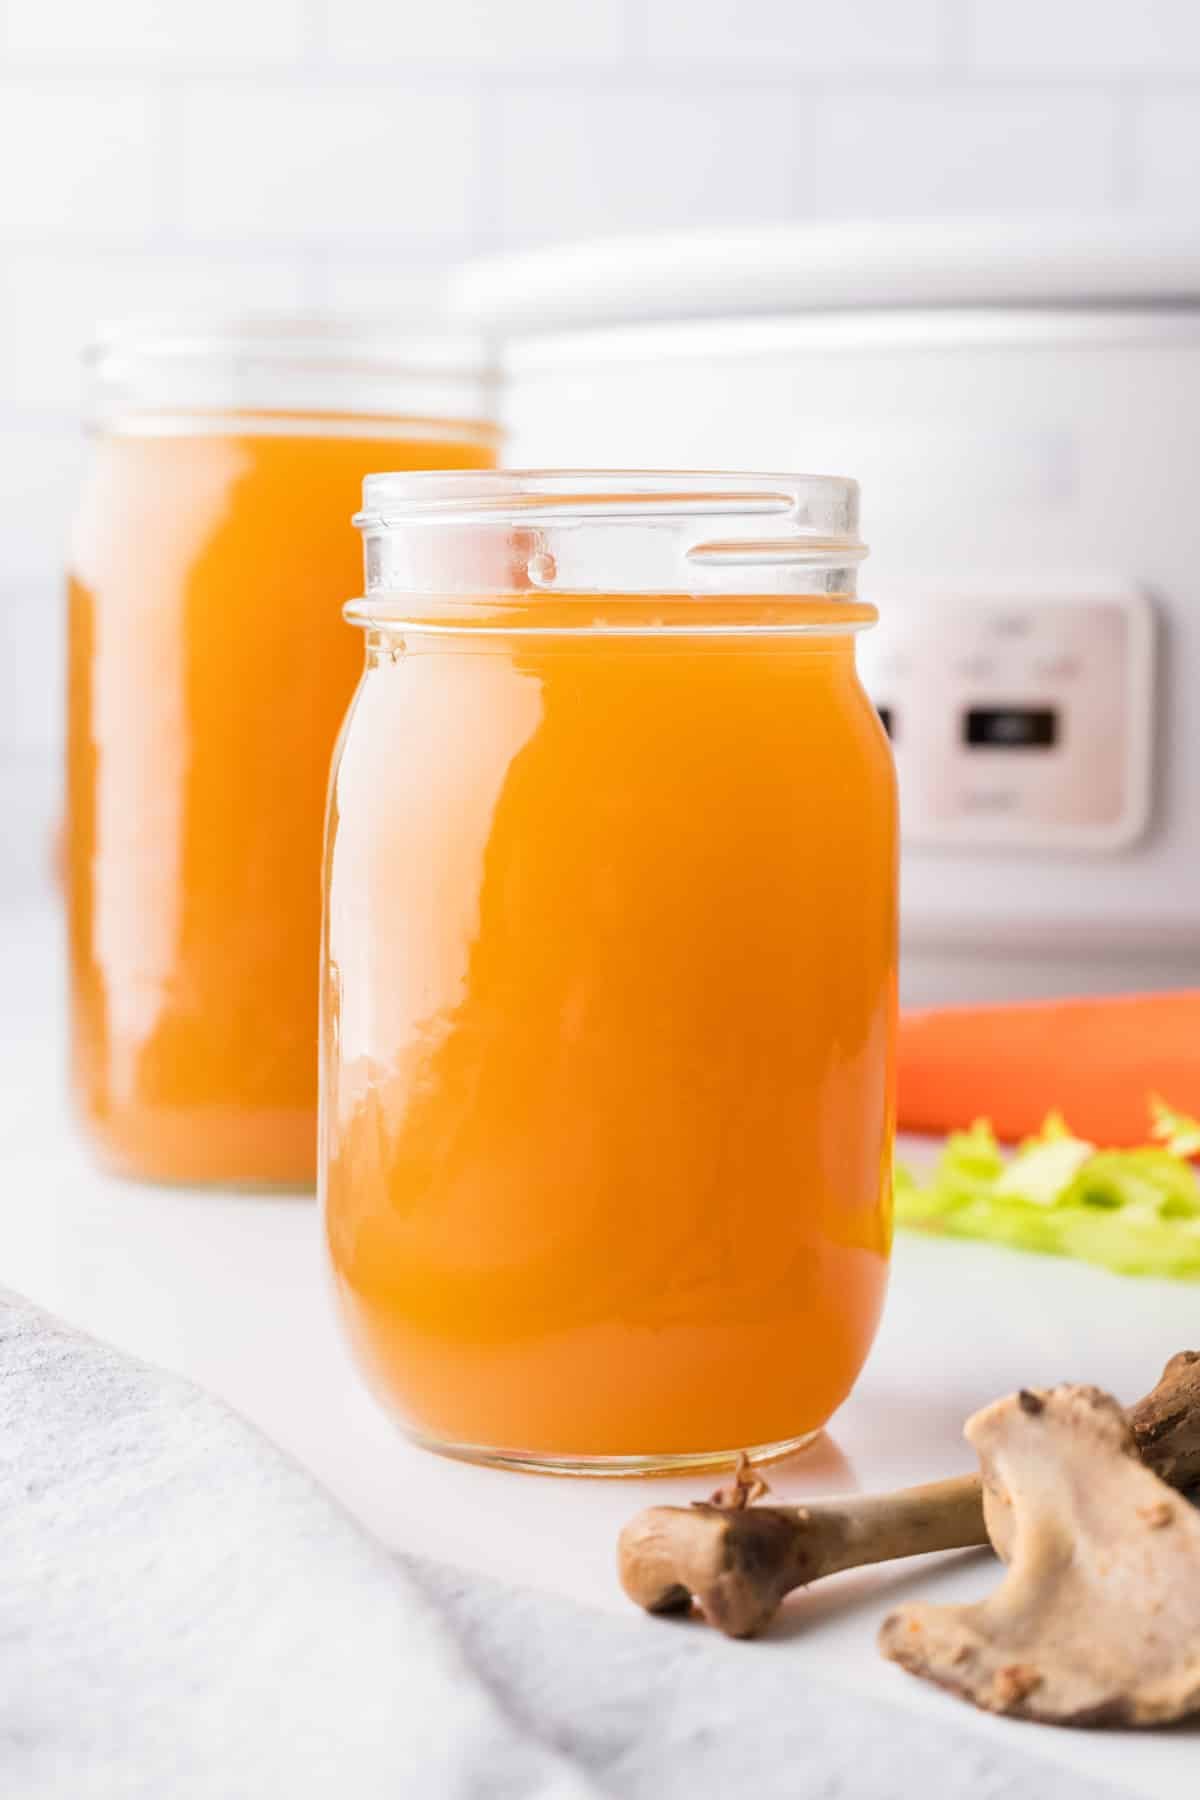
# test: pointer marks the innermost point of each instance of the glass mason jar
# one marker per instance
(209, 670)
(609, 967)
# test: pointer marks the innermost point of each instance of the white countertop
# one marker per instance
(230, 1291)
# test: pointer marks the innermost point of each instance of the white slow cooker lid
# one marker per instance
(783, 269)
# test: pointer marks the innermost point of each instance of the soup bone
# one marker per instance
(738, 1559)
(1097, 1619)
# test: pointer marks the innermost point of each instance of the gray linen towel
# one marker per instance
(185, 1614)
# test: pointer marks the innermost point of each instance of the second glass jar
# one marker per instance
(609, 967)
(209, 672)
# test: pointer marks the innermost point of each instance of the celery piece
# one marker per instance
(1043, 1172)
(1136, 1212)
(1179, 1134)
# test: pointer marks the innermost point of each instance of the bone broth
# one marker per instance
(209, 672)
(609, 975)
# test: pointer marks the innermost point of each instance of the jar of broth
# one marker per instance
(209, 670)
(609, 967)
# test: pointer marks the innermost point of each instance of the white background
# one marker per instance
(161, 154)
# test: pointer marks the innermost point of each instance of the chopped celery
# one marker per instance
(1154, 1179)
(1040, 1172)
(1176, 1131)
(1133, 1211)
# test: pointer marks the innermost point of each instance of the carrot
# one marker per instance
(1094, 1060)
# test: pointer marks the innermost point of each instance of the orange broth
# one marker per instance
(209, 670)
(611, 952)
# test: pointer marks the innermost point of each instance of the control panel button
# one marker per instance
(989, 800)
(1058, 668)
(1010, 727)
(976, 668)
(1014, 622)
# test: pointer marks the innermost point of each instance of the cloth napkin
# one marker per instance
(185, 1615)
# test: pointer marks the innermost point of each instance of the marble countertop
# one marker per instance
(230, 1291)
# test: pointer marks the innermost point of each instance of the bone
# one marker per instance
(1097, 1621)
(738, 1560)
(1166, 1424)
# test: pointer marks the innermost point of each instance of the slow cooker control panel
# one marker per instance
(1020, 720)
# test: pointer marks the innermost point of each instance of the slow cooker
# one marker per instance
(1021, 403)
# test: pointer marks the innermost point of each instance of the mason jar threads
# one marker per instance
(609, 967)
(209, 670)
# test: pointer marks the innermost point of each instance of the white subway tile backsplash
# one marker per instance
(40, 470)
(1167, 154)
(478, 32)
(76, 162)
(405, 288)
(325, 164)
(575, 161)
(32, 658)
(32, 782)
(40, 474)
(226, 32)
(1083, 37)
(961, 153)
(50, 304)
(173, 155)
(808, 36)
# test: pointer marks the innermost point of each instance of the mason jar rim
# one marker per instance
(312, 339)
(290, 373)
(824, 504)
(445, 540)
